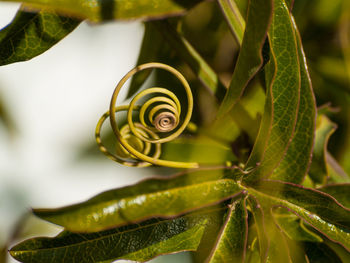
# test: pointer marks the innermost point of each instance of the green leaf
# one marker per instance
(151, 44)
(32, 33)
(298, 156)
(250, 58)
(187, 52)
(140, 242)
(198, 149)
(282, 99)
(232, 239)
(259, 220)
(157, 197)
(318, 209)
(293, 227)
(102, 10)
(341, 192)
(234, 18)
(318, 169)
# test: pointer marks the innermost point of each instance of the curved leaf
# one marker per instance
(102, 10)
(250, 58)
(139, 242)
(232, 239)
(318, 169)
(282, 99)
(32, 33)
(297, 159)
(161, 197)
(318, 209)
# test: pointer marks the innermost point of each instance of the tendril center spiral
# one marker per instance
(160, 112)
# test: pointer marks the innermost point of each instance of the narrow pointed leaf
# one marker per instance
(232, 240)
(234, 18)
(163, 197)
(139, 242)
(259, 219)
(151, 43)
(341, 192)
(318, 169)
(250, 58)
(318, 209)
(296, 162)
(187, 52)
(294, 228)
(102, 10)
(32, 33)
(282, 99)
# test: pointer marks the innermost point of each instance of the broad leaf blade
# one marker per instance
(32, 33)
(102, 10)
(250, 58)
(232, 240)
(298, 156)
(163, 197)
(139, 242)
(318, 209)
(282, 100)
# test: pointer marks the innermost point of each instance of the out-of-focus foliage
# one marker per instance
(272, 181)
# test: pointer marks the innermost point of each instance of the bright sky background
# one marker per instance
(56, 100)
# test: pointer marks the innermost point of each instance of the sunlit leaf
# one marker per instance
(282, 99)
(139, 242)
(32, 33)
(164, 197)
(96, 10)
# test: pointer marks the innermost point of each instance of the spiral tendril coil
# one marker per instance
(139, 143)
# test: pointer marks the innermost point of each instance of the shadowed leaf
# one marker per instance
(139, 242)
(232, 240)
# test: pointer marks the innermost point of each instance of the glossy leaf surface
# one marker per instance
(282, 99)
(165, 197)
(96, 11)
(32, 33)
(149, 239)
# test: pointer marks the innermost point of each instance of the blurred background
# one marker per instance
(49, 106)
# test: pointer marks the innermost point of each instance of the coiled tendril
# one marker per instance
(139, 142)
